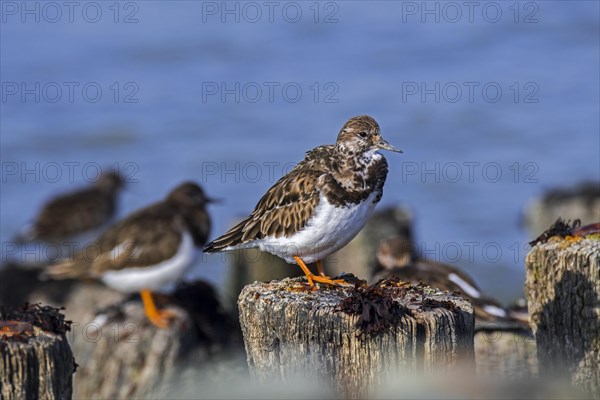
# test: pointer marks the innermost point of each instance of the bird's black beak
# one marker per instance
(383, 145)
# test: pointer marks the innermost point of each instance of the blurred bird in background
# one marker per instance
(148, 251)
(77, 212)
(70, 219)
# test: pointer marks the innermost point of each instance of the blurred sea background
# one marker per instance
(470, 163)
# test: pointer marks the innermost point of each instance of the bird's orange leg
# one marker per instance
(320, 268)
(158, 318)
(309, 275)
(314, 278)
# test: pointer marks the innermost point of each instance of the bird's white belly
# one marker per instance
(158, 277)
(330, 229)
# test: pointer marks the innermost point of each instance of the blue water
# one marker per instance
(378, 58)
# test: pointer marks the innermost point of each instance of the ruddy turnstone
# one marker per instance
(321, 204)
(75, 213)
(397, 258)
(150, 250)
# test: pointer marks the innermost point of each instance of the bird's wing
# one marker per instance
(73, 213)
(146, 237)
(285, 208)
(138, 242)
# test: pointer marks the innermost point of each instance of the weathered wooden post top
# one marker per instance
(352, 338)
(35, 358)
(563, 293)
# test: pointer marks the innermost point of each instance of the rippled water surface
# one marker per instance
(489, 114)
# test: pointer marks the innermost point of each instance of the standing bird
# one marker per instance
(148, 251)
(321, 204)
(76, 213)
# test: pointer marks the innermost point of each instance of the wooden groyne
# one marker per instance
(350, 339)
(36, 361)
(563, 293)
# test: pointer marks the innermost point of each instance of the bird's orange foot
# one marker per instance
(159, 318)
(326, 279)
(319, 279)
(162, 319)
(312, 278)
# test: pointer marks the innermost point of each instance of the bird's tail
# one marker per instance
(64, 270)
(233, 237)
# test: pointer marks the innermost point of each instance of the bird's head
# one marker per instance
(110, 180)
(189, 194)
(362, 135)
(395, 252)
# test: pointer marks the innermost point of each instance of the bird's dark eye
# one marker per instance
(363, 134)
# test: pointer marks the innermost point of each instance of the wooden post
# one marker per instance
(35, 358)
(563, 293)
(505, 355)
(128, 357)
(122, 355)
(352, 339)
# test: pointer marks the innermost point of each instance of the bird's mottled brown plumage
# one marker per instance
(144, 238)
(77, 212)
(343, 173)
